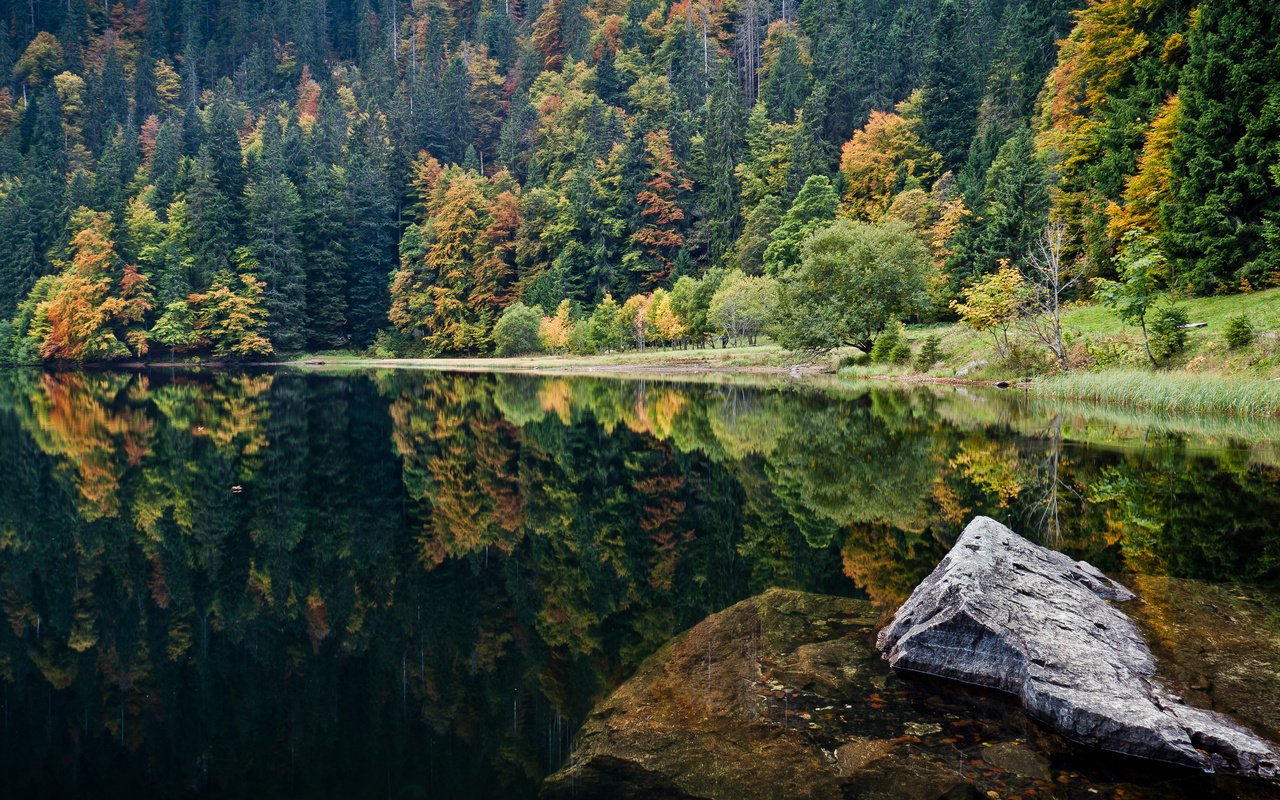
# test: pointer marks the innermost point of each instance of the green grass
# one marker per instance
(1096, 322)
(1171, 392)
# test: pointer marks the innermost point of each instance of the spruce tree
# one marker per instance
(274, 211)
(723, 146)
(324, 223)
(371, 240)
(212, 223)
(1225, 150)
(814, 207)
(1016, 204)
(949, 116)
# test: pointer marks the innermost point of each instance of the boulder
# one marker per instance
(1001, 612)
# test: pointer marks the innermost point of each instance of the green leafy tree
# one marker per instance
(176, 327)
(743, 306)
(516, 332)
(854, 280)
(1139, 287)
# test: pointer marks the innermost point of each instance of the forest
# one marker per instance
(241, 179)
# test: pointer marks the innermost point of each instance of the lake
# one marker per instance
(416, 584)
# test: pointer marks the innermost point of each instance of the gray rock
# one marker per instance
(970, 367)
(1002, 612)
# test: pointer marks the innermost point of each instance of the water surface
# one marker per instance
(411, 584)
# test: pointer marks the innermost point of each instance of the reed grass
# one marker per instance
(1170, 392)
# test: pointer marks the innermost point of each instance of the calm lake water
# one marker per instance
(409, 584)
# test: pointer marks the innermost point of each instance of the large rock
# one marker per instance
(784, 695)
(1002, 612)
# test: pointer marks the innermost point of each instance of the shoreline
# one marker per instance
(1176, 392)
(666, 365)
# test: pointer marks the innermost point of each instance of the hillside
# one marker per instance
(243, 179)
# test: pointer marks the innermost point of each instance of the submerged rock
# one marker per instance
(1002, 612)
(784, 695)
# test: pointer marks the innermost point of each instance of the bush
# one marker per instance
(854, 360)
(1239, 332)
(882, 349)
(1024, 361)
(930, 353)
(517, 331)
(1168, 336)
(901, 353)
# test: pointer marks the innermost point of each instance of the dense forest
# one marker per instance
(238, 178)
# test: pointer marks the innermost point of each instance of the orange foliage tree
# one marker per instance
(661, 237)
(884, 157)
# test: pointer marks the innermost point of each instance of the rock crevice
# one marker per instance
(1002, 612)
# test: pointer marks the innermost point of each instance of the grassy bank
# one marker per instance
(1171, 392)
(1098, 327)
(1209, 378)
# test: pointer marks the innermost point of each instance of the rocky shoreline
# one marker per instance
(787, 694)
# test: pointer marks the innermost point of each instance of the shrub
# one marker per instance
(517, 331)
(1168, 336)
(1239, 332)
(853, 360)
(930, 353)
(901, 353)
(882, 350)
(1024, 361)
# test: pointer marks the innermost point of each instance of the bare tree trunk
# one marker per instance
(1050, 282)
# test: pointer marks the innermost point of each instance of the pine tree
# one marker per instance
(166, 161)
(371, 243)
(1226, 143)
(222, 138)
(723, 147)
(1016, 204)
(785, 83)
(211, 221)
(813, 208)
(324, 222)
(274, 213)
(949, 115)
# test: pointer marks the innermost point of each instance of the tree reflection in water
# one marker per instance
(413, 584)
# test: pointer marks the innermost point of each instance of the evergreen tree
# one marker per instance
(274, 211)
(723, 147)
(1016, 204)
(222, 139)
(949, 115)
(1226, 147)
(324, 223)
(785, 83)
(166, 162)
(813, 208)
(371, 242)
(212, 223)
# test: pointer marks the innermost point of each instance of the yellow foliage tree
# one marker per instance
(553, 331)
(993, 304)
(1150, 188)
(883, 158)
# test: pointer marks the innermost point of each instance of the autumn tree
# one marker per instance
(660, 235)
(884, 157)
